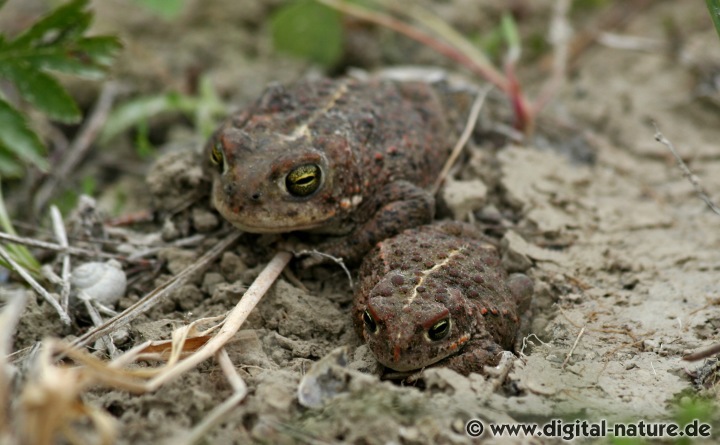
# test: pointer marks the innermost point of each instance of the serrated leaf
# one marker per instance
(308, 29)
(18, 138)
(101, 49)
(65, 18)
(64, 64)
(9, 165)
(42, 91)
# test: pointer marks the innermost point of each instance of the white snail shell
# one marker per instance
(102, 282)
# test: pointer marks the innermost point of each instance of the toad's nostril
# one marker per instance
(256, 196)
(230, 189)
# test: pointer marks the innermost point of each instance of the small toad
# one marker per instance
(346, 158)
(438, 294)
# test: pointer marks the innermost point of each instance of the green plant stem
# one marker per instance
(19, 254)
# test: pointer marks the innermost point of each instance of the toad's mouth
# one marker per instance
(268, 228)
(259, 221)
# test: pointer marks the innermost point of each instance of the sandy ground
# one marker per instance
(625, 256)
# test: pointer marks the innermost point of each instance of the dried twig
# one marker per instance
(156, 294)
(81, 144)
(703, 353)
(570, 353)
(686, 171)
(64, 317)
(216, 415)
(58, 248)
(61, 235)
(464, 137)
(232, 323)
(336, 260)
(8, 321)
(560, 33)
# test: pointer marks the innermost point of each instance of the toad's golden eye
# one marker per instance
(216, 155)
(369, 322)
(304, 180)
(439, 330)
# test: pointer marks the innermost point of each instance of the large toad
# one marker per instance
(438, 294)
(346, 158)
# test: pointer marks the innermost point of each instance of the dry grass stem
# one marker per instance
(336, 260)
(560, 35)
(525, 342)
(703, 353)
(31, 242)
(157, 294)
(220, 411)
(49, 403)
(233, 321)
(62, 239)
(570, 353)
(464, 137)
(64, 317)
(686, 171)
(8, 321)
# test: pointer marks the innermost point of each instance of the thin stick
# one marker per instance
(64, 317)
(232, 323)
(560, 33)
(61, 235)
(81, 144)
(703, 353)
(8, 321)
(577, 340)
(58, 248)
(106, 341)
(157, 294)
(699, 190)
(467, 132)
(338, 261)
(216, 415)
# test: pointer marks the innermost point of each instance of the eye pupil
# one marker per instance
(303, 180)
(369, 322)
(439, 330)
(216, 155)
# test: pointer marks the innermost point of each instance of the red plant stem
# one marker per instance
(488, 72)
(524, 117)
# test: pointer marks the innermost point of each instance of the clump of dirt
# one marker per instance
(624, 258)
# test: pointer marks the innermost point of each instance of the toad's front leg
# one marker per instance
(399, 206)
(475, 355)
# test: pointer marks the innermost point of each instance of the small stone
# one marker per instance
(204, 220)
(463, 197)
(232, 266)
(211, 281)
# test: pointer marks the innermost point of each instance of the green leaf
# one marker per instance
(512, 37)
(61, 23)
(42, 91)
(308, 29)
(138, 110)
(9, 166)
(714, 9)
(101, 49)
(167, 9)
(64, 64)
(19, 139)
